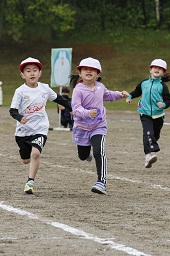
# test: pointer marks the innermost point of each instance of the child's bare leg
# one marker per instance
(26, 161)
(33, 168)
(34, 162)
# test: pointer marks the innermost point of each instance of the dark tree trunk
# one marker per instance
(2, 4)
(144, 12)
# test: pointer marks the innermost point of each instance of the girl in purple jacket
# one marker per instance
(90, 126)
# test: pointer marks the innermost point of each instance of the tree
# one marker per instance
(157, 11)
(2, 4)
(144, 12)
(21, 15)
(21, 19)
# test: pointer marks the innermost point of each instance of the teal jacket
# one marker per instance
(152, 91)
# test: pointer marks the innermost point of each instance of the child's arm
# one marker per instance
(15, 114)
(60, 107)
(63, 101)
(134, 94)
(165, 96)
(93, 113)
(124, 94)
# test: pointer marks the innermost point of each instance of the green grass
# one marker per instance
(125, 58)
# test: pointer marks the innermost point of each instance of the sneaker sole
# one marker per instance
(29, 192)
(152, 161)
(96, 190)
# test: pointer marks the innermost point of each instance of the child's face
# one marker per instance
(156, 72)
(89, 74)
(31, 73)
(65, 93)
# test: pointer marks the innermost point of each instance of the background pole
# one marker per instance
(1, 95)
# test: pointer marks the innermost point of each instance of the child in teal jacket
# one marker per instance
(155, 98)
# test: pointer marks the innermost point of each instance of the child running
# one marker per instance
(155, 98)
(28, 108)
(66, 117)
(90, 126)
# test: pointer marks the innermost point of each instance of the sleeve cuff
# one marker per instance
(164, 105)
(129, 97)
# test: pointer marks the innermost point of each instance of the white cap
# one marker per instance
(91, 63)
(159, 63)
(30, 61)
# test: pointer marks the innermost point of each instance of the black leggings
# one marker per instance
(98, 144)
(151, 133)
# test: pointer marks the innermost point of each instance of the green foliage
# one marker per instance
(14, 18)
(19, 19)
(124, 35)
(60, 17)
(124, 62)
(21, 15)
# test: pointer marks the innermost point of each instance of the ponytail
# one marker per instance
(166, 77)
(74, 80)
(99, 79)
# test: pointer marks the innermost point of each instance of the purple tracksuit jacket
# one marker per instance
(85, 98)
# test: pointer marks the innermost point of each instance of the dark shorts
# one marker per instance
(26, 143)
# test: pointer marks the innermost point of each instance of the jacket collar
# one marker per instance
(159, 79)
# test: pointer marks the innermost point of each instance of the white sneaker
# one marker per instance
(99, 188)
(150, 159)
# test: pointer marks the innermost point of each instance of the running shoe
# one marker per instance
(29, 188)
(150, 159)
(99, 188)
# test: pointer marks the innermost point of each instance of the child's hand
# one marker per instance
(24, 120)
(124, 94)
(160, 104)
(60, 107)
(93, 113)
(128, 101)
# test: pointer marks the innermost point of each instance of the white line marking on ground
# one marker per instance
(41, 237)
(131, 121)
(55, 165)
(75, 231)
(8, 238)
(166, 123)
(155, 186)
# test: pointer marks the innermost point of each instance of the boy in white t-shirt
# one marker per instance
(28, 108)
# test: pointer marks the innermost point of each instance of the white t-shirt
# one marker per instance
(31, 103)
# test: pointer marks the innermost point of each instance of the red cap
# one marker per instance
(30, 61)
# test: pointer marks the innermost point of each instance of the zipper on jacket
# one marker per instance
(150, 95)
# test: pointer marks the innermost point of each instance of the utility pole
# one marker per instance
(157, 11)
(1, 95)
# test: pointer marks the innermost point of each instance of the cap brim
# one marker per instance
(157, 66)
(27, 63)
(79, 67)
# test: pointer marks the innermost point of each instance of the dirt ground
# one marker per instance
(64, 217)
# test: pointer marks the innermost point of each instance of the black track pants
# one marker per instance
(98, 145)
(151, 133)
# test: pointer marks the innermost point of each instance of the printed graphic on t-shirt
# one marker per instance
(33, 109)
